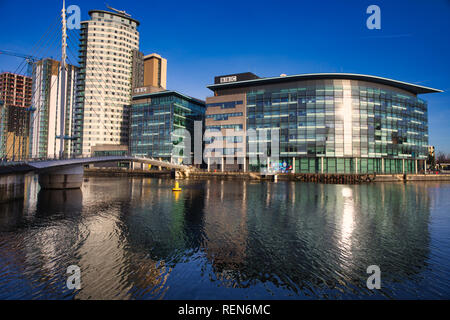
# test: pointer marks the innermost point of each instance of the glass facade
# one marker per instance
(155, 117)
(339, 126)
(107, 153)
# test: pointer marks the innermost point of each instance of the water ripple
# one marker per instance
(135, 239)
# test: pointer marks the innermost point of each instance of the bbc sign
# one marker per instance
(228, 79)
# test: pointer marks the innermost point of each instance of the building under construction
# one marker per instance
(15, 102)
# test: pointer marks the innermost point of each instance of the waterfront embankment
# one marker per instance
(302, 177)
(117, 172)
(411, 177)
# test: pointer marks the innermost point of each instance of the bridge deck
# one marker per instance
(38, 165)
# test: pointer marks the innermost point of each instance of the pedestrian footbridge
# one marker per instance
(68, 173)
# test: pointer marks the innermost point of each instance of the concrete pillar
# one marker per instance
(403, 165)
(425, 166)
(12, 187)
(321, 164)
(160, 168)
(245, 164)
(417, 169)
(70, 177)
(356, 165)
(293, 165)
(223, 164)
(209, 159)
(382, 165)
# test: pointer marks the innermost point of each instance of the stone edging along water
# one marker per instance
(326, 178)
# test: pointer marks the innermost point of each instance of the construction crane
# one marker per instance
(30, 60)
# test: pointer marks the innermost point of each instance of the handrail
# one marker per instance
(31, 161)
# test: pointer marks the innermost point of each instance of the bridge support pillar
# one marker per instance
(62, 178)
(12, 187)
(177, 174)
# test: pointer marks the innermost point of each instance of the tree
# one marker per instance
(431, 161)
(442, 157)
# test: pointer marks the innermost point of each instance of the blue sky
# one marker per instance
(202, 39)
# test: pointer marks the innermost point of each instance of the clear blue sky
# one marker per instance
(202, 39)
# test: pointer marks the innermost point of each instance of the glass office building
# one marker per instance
(155, 118)
(334, 123)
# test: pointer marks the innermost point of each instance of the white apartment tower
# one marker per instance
(107, 43)
(45, 112)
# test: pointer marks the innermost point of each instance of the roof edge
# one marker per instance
(114, 13)
(315, 76)
(168, 92)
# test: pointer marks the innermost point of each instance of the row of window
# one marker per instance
(227, 139)
(224, 116)
(236, 127)
(340, 165)
(223, 151)
(225, 105)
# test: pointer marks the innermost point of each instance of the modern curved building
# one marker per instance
(325, 122)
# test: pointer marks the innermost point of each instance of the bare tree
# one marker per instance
(442, 157)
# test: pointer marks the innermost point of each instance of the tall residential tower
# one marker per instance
(155, 71)
(149, 73)
(107, 43)
(46, 111)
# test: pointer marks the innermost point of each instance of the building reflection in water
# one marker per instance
(40, 241)
(113, 265)
(133, 238)
(11, 215)
(226, 229)
(321, 243)
(347, 222)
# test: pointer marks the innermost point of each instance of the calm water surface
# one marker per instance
(133, 238)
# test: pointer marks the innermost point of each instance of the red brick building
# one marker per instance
(15, 97)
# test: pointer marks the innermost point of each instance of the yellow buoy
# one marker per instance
(177, 187)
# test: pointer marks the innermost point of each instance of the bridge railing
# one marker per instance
(5, 161)
(8, 162)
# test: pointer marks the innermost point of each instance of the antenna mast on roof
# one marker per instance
(118, 11)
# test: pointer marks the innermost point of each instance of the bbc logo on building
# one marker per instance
(228, 79)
